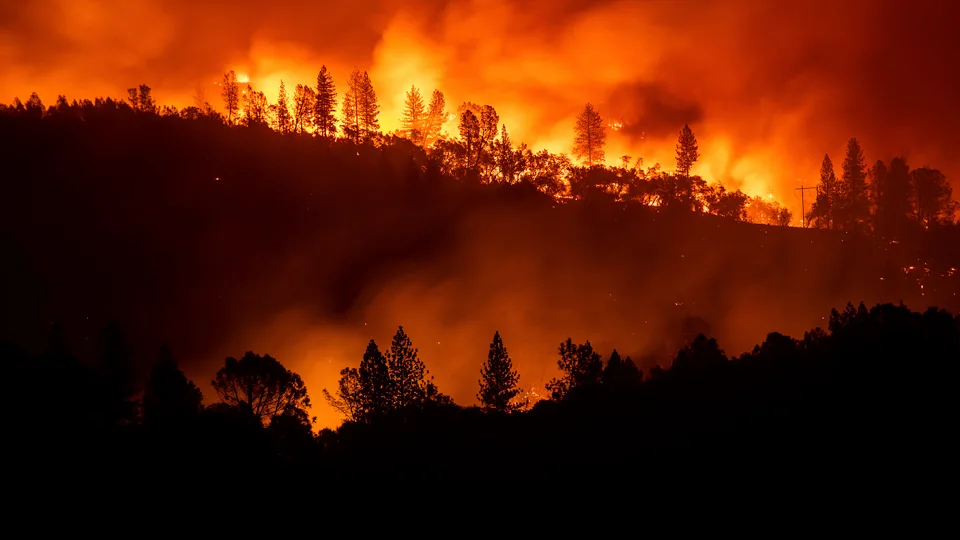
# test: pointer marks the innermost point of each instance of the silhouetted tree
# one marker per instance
(589, 136)
(498, 379)
(471, 139)
(326, 104)
(731, 204)
(701, 357)
(370, 108)
(824, 209)
(284, 121)
(621, 373)
(141, 100)
(349, 399)
(546, 171)
(893, 195)
(436, 117)
(413, 123)
(509, 162)
(169, 397)
(932, 197)
(407, 372)
(119, 389)
(855, 207)
(688, 152)
(580, 366)
(360, 108)
(374, 379)
(230, 91)
(255, 107)
(304, 101)
(261, 386)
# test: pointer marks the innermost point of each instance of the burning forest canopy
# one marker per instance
(768, 87)
(220, 239)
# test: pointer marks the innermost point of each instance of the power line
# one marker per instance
(803, 208)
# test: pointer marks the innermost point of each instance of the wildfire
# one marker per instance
(616, 126)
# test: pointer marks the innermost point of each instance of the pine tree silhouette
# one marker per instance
(407, 372)
(326, 104)
(590, 136)
(498, 379)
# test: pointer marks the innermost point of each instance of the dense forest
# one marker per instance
(126, 225)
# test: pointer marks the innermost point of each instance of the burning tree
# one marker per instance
(230, 90)
(304, 99)
(360, 108)
(324, 109)
(589, 136)
(414, 116)
(284, 121)
(823, 212)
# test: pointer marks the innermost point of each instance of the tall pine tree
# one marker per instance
(326, 105)
(498, 379)
(169, 397)
(374, 381)
(284, 120)
(589, 136)
(893, 199)
(688, 152)
(353, 108)
(407, 373)
(370, 110)
(824, 209)
(855, 207)
(436, 117)
(413, 123)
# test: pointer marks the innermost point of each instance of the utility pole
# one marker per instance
(803, 208)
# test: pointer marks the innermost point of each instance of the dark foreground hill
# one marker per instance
(199, 235)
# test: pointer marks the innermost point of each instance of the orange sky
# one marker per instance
(767, 86)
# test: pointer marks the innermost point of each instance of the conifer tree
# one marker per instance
(621, 373)
(436, 117)
(326, 104)
(407, 373)
(413, 123)
(352, 117)
(374, 382)
(141, 99)
(360, 108)
(688, 152)
(370, 108)
(169, 397)
(470, 137)
(230, 91)
(824, 209)
(893, 193)
(509, 162)
(589, 136)
(855, 207)
(498, 379)
(932, 199)
(284, 121)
